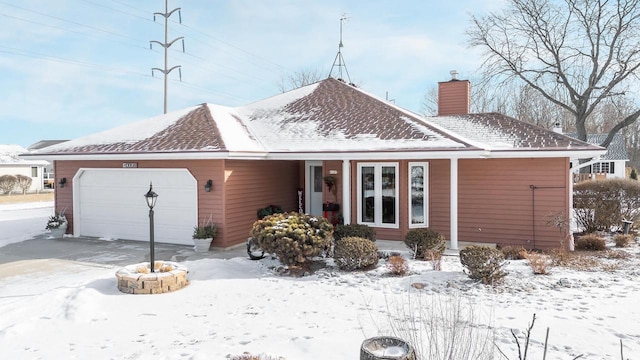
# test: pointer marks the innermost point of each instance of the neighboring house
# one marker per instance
(473, 177)
(12, 164)
(48, 177)
(611, 165)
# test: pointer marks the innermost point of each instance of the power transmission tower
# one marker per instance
(339, 60)
(166, 45)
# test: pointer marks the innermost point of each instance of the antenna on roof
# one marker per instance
(166, 45)
(339, 60)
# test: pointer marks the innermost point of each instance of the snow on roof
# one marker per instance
(235, 135)
(128, 133)
(328, 116)
(9, 155)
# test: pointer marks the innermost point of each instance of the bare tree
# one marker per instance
(299, 79)
(575, 53)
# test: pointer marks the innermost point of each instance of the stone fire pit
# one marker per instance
(137, 279)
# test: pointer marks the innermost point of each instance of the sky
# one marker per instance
(75, 67)
(54, 308)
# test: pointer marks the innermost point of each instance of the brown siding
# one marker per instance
(453, 97)
(496, 200)
(439, 196)
(250, 185)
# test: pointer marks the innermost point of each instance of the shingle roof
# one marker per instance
(328, 116)
(617, 149)
(501, 132)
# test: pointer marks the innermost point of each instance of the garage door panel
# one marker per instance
(112, 204)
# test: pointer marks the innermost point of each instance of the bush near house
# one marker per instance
(425, 243)
(354, 230)
(623, 240)
(293, 237)
(24, 183)
(8, 183)
(269, 210)
(483, 263)
(590, 242)
(354, 253)
(603, 204)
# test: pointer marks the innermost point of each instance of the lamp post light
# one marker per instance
(151, 197)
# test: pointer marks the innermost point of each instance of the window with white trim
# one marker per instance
(418, 194)
(378, 194)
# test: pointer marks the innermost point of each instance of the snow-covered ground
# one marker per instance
(74, 311)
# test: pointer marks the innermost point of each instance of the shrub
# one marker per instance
(354, 230)
(591, 242)
(539, 263)
(7, 183)
(23, 182)
(483, 263)
(602, 204)
(514, 252)
(398, 265)
(623, 240)
(269, 210)
(293, 237)
(353, 253)
(420, 240)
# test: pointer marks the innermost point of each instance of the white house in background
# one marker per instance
(48, 175)
(12, 164)
(612, 164)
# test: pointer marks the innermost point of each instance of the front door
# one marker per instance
(314, 184)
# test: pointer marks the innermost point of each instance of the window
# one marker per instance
(418, 194)
(378, 194)
(603, 167)
(34, 171)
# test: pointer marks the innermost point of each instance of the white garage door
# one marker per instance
(110, 204)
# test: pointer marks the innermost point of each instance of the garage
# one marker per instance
(110, 204)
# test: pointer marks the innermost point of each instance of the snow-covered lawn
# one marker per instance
(231, 306)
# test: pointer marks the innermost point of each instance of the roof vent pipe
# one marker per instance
(454, 74)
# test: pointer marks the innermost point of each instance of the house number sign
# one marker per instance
(129, 165)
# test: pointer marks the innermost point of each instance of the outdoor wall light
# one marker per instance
(208, 185)
(62, 182)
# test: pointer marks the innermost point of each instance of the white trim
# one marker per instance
(378, 194)
(346, 191)
(454, 206)
(356, 155)
(425, 195)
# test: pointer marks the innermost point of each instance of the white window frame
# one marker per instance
(425, 194)
(377, 173)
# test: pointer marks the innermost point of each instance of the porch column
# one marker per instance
(454, 205)
(346, 191)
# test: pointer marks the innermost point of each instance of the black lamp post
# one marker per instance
(151, 197)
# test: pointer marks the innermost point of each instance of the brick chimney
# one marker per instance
(454, 96)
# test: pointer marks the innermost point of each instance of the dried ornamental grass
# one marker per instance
(623, 240)
(398, 265)
(591, 242)
(539, 263)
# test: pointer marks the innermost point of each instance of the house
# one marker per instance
(48, 177)
(611, 165)
(473, 177)
(12, 164)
